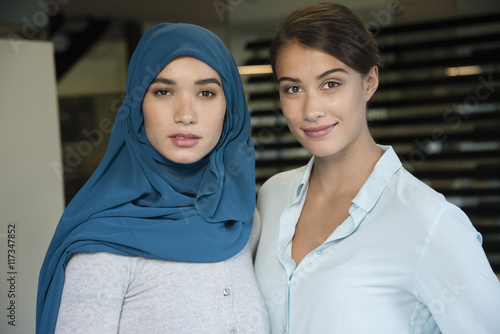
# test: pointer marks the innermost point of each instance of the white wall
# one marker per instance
(31, 190)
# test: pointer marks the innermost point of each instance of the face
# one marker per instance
(323, 100)
(184, 109)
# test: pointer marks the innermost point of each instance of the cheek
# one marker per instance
(217, 123)
(216, 120)
(146, 115)
(148, 112)
(220, 114)
(291, 109)
(150, 125)
(155, 119)
(354, 103)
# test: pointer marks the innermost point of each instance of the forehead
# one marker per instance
(189, 66)
(295, 58)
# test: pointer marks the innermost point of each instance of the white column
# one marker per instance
(31, 186)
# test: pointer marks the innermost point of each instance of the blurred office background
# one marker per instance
(438, 103)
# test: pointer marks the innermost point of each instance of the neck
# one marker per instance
(347, 171)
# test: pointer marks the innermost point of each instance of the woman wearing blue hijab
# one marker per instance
(161, 236)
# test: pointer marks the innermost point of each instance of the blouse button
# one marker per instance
(226, 292)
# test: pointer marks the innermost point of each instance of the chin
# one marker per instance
(184, 161)
(322, 151)
(181, 159)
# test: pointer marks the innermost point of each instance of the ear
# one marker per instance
(371, 82)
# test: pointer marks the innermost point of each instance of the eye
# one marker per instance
(162, 92)
(292, 89)
(331, 84)
(206, 93)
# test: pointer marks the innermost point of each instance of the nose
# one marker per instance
(184, 111)
(312, 109)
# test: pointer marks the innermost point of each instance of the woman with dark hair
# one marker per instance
(352, 242)
(161, 238)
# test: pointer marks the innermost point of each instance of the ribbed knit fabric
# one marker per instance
(110, 293)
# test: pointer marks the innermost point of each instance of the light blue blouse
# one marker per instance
(404, 261)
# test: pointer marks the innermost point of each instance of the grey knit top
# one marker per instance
(109, 293)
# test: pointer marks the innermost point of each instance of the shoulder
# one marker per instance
(282, 182)
(102, 262)
(98, 257)
(420, 200)
(255, 235)
(414, 191)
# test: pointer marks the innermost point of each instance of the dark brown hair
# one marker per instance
(333, 29)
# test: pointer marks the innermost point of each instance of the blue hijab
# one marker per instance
(138, 203)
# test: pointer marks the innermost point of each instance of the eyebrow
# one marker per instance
(319, 77)
(324, 74)
(164, 81)
(208, 81)
(288, 79)
(200, 82)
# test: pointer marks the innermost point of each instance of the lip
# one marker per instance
(184, 139)
(319, 131)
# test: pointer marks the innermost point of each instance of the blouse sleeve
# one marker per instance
(255, 236)
(455, 280)
(93, 292)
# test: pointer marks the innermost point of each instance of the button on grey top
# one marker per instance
(122, 293)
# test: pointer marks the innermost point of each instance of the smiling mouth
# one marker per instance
(319, 131)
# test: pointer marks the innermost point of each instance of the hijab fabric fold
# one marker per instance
(137, 202)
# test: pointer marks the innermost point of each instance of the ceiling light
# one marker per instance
(255, 69)
(463, 70)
